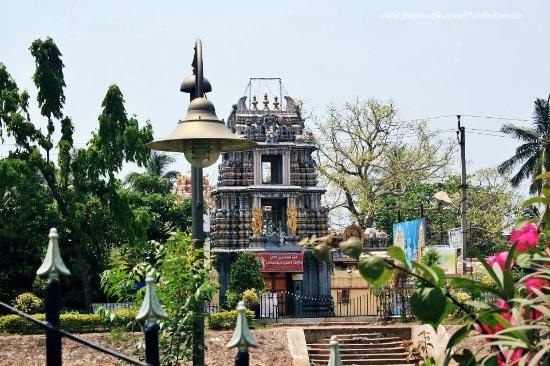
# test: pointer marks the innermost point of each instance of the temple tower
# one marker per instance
(267, 200)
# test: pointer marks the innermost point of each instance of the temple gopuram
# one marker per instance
(267, 200)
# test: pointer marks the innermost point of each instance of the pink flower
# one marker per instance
(534, 283)
(503, 357)
(499, 258)
(526, 237)
(502, 304)
(498, 327)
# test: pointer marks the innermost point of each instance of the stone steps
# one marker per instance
(357, 345)
(364, 340)
(378, 362)
(323, 351)
(372, 347)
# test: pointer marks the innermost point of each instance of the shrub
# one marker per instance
(251, 298)
(232, 298)
(227, 319)
(245, 274)
(39, 287)
(71, 322)
(28, 303)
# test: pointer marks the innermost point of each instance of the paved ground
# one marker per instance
(29, 350)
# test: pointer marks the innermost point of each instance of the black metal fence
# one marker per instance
(151, 311)
(384, 304)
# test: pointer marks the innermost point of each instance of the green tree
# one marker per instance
(83, 184)
(156, 178)
(21, 222)
(492, 207)
(244, 275)
(534, 154)
(365, 153)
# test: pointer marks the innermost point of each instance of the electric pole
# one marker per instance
(463, 203)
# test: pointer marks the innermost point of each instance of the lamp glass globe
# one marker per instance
(202, 154)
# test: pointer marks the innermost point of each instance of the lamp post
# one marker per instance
(201, 136)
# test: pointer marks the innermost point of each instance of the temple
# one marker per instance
(267, 200)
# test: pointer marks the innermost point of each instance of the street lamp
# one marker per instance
(201, 136)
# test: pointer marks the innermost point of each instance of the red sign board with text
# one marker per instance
(281, 262)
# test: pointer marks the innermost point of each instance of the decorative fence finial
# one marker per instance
(242, 338)
(335, 359)
(150, 310)
(53, 264)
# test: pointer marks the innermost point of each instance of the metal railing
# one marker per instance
(52, 267)
(385, 304)
(150, 312)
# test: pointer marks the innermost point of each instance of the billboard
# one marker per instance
(281, 262)
(411, 236)
(447, 258)
(455, 238)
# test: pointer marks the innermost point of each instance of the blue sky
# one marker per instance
(432, 58)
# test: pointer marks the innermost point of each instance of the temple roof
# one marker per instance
(270, 124)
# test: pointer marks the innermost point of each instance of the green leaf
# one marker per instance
(534, 200)
(473, 286)
(352, 247)
(459, 335)
(429, 304)
(375, 270)
(465, 359)
(428, 273)
(523, 260)
(440, 275)
(487, 267)
(398, 253)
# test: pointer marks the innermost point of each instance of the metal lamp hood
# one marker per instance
(201, 124)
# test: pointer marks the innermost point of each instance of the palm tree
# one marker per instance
(156, 178)
(157, 163)
(534, 154)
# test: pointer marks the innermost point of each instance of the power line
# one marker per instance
(490, 134)
(500, 118)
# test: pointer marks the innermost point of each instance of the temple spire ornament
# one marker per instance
(151, 311)
(276, 104)
(254, 103)
(53, 264)
(242, 337)
(266, 103)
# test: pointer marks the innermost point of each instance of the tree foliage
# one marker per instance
(82, 185)
(533, 156)
(156, 178)
(244, 275)
(365, 153)
(492, 207)
(182, 274)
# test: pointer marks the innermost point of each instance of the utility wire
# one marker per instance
(492, 117)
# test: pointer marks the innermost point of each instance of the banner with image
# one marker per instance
(411, 236)
(455, 238)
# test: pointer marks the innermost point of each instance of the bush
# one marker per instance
(231, 299)
(39, 287)
(245, 274)
(251, 298)
(28, 303)
(71, 322)
(227, 319)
